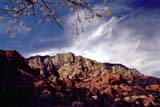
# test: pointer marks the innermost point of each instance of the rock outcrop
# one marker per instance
(98, 79)
(67, 80)
(68, 65)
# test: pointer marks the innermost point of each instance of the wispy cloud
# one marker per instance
(131, 37)
(118, 40)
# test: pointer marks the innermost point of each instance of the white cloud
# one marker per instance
(115, 41)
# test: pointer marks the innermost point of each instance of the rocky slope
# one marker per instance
(16, 80)
(67, 80)
(68, 65)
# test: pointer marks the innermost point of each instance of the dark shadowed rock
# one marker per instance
(16, 81)
(67, 80)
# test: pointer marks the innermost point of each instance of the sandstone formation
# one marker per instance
(66, 80)
(68, 65)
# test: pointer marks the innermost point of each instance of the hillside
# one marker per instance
(67, 80)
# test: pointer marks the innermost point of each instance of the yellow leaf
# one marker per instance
(58, 20)
(108, 12)
(1, 18)
(53, 13)
(15, 9)
(18, 1)
(29, 29)
(14, 15)
(6, 7)
(69, 3)
(13, 35)
(79, 1)
(8, 30)
(71, 9)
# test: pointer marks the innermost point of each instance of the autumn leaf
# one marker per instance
(79, 1)
(8, 30)
(69, 3)
(1, 18)
(108, 12)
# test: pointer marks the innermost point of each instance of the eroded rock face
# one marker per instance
(69, 80)
(68, 66)
(153, 87)
(99, 79)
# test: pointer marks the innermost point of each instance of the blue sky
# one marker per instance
(129, 36)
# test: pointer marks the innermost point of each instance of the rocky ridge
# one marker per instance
(68, 65)
(116, 80)
(67, 80)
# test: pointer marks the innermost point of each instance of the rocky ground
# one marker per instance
(66, 80)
